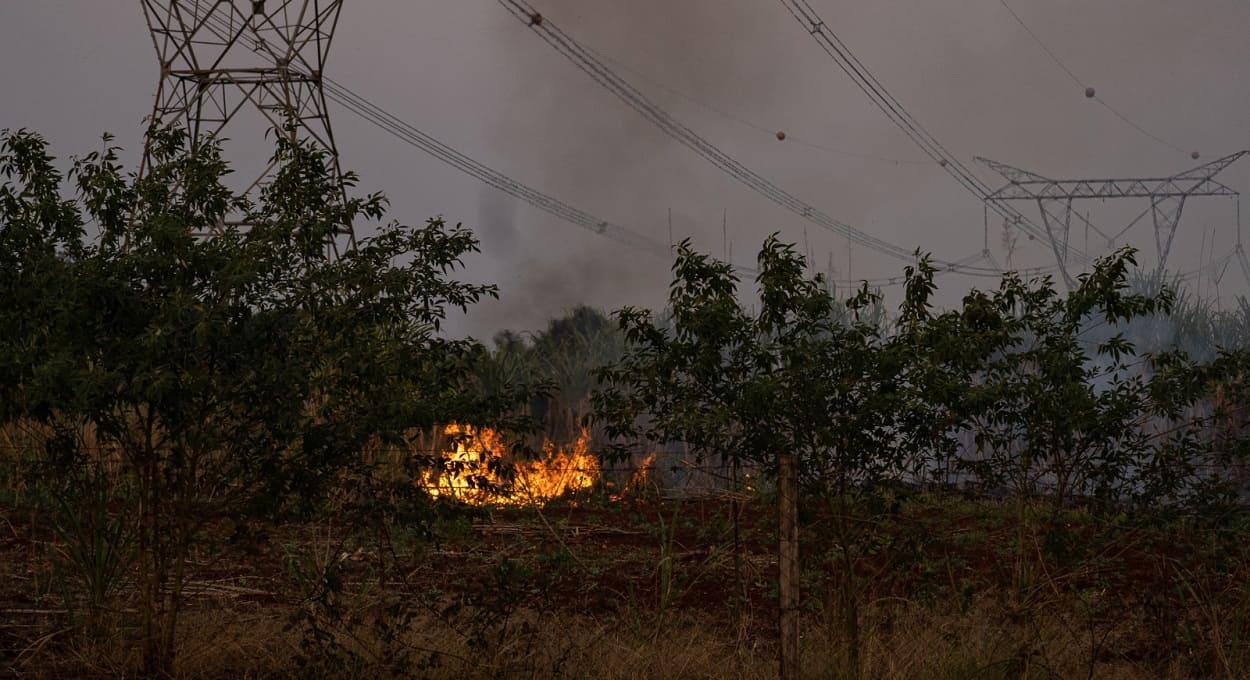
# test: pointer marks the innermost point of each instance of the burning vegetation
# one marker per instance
(475, 469)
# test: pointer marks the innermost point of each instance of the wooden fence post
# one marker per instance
(788, 562)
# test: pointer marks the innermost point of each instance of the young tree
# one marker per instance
(227, 375)
(567, 353)
(1056, 411)
(1061, 406)
(799, 378)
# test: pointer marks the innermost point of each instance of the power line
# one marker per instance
(413, 136)
(409, 134)
(420, 140)
(787, 136)
(584, 60)
(390, 123)
(828, 40)
(376, 115)
(601, 74)
(1089, 91)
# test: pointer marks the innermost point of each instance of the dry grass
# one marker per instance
(911, 642)
(586, 597)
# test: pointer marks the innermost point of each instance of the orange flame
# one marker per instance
(468, 475)
(641, 479)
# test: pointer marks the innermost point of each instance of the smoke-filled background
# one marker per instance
(737, 72)
(592, 147)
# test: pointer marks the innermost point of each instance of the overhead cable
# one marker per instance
(828, 40)
(409, 134)
(587, 62)
(1090, 92)
(416, 138)
(745, 122)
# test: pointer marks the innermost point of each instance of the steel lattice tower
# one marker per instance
(221, 57)
(1167, 196)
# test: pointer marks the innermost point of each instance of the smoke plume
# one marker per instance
(594, 152)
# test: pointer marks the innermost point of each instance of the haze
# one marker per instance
(469, 74)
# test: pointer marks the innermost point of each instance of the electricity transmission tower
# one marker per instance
(1054, 199)
(221, 58)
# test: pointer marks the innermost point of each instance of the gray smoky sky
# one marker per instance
(469, 74)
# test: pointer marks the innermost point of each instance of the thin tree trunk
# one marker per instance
(788, 562)
(736, 516)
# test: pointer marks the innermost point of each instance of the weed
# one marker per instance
(95, 545)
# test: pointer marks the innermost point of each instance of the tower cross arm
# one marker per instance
(1215, 167)
(1024, 185)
